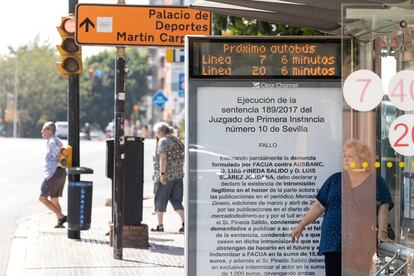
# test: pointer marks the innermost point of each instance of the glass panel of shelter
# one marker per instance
(380, 39)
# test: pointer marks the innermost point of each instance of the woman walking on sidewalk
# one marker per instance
(168, 174)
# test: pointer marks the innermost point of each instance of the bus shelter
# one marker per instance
(377, 36)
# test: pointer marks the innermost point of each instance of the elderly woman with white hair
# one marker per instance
(168, 174)
(355, 213)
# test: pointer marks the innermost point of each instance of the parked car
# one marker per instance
(62, 129)
(95, 135)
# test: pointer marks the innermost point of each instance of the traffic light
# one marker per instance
(65, 157)
(70, 52)
(135, 109)
(9, 114)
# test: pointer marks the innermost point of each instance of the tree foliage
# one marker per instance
(43, 92)
(97, 88)
(240, 26)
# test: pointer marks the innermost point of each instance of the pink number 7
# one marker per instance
(367, 82)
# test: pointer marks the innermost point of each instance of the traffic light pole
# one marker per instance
(72, 6)
(73, 134)
(73, 122)
(119, 152)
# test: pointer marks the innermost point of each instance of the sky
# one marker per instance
(22, 20)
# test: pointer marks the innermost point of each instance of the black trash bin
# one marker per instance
(134, 177)
(79, 201)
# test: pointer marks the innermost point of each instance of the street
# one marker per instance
(21, 176)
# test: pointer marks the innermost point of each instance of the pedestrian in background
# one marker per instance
(54, 174)
(87, 131)
(168, 174)
(145, 132)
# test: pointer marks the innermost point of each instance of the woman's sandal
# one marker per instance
(160, 228)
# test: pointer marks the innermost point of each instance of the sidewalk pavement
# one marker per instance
(39, 249)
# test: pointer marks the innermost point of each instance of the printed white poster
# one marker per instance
(262, 156)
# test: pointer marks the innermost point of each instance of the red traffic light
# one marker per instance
(69, 25)
(70, 52)
(91, 71)
(136, 107)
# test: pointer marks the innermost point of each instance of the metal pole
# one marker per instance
(366, 58)
(72, 6)
(73, 123)
(389, 249)
(16, 94)
(119, 151)
(73, 135)
(365, 122)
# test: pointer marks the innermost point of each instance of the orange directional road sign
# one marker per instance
(138, 25)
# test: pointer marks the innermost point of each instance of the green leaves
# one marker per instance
(43, 93)
(232, 25)
(97, 90)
